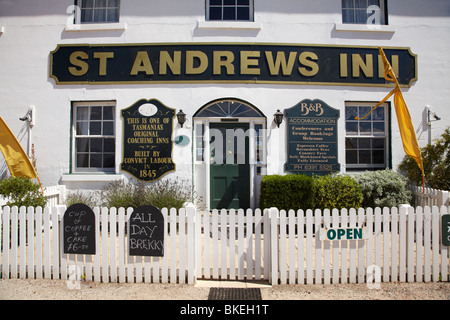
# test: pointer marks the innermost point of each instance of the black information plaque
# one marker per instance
(312, 138)
(147, 140)
(79, 230)
(146, 232)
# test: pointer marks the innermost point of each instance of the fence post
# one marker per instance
(273, 218)
(442, 198)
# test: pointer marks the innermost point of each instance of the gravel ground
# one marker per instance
(32, 289)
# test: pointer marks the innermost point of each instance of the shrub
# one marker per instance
(287, 192)
(436, 162)
(162, 194)
(337, 191)
(80, 197)
(383, 188)
(22, 191)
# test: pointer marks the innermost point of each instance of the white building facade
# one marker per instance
(99, 74)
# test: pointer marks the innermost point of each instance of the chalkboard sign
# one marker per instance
(147, 140)
(79, 230)
(445, 230)
(312, 138)
(146, 232)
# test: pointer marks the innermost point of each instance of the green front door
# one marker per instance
(230, 167)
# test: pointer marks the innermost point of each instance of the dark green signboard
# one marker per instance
(446, 230)
(228, 62)
(147, 139)
(312, 138)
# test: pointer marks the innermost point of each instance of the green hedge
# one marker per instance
(304, 192)
(337, 191)
(287, 192)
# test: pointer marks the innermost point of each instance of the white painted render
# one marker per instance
(30, 30)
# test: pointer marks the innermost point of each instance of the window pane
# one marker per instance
(361, 16)
(361, 3)
(378, 128)
(243, 2)
(364, 143)
(108, 128)
(378, 113)
(374, 2)
(95, 145)
(347, 4)
(351, 143)
(82, 161)
(99, 15)
(82, 113)
(378, 156)
(215, 13)
(365, 128)
(229, 13)
(108, 161)
(363, 111)
(351, 128)
(109, 145)
(96, 113)
(215, 2)
(87, 3)
(107, 113)
(95, 161)
(95, 128)
(351, 156)
(113, 3)
(229, 2)
(82, 145)
(100, 3)
(86, 15)
(243, 13)
(82, 128)
(112, 15)
(378, 143)
(347, 16)
(364, 157)
(351, 113)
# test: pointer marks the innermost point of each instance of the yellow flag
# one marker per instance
(18, 162)
(405, 125)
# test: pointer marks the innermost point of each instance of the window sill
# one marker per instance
(95, 27)
(249, 25)
(364, 28)
(90, 177)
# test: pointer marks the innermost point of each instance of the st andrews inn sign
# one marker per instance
(228, 63)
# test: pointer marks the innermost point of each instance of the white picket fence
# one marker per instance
(431, 197)
(54, 196)
(277, 246)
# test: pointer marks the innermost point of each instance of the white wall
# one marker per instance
(32, 29)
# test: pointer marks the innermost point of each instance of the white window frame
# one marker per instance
(383, 13)
(385, 136)
(251, 13)
(75, 106)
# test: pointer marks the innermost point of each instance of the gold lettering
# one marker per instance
(280, 60)
(174, 64)
(83, 67)
(306, 58)
(365, 66)
(343, 65)
(394, 64)
(219, 63)
(247, 61)
(203, 59)
(103, 56)
(142, 64)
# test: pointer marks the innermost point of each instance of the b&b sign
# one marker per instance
(146, 232)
